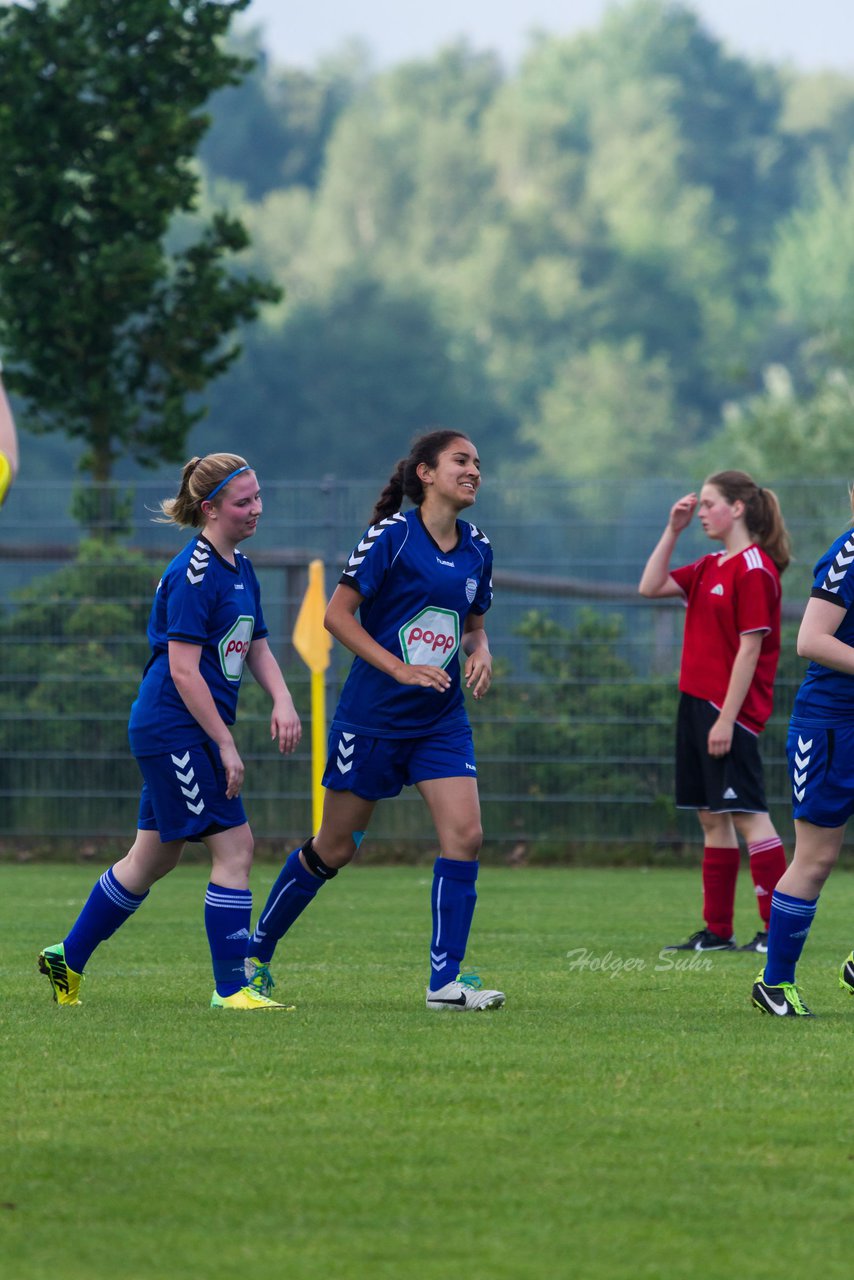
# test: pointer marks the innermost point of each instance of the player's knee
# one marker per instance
(325, 867)
(470, 839)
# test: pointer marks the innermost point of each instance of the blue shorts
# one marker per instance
(183, 796)
(378, 768)
(821, 766)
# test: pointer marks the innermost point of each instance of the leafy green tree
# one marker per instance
(813, 268)
(75, 645)
(107, 337)
(580, 724)
(609, 413)
(352, 376)
(270, 131)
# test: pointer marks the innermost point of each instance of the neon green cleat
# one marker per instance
(784, 1000)
(846, 975)
(247, 998)
(258, 976)
(64, 981)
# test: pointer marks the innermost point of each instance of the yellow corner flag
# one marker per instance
(311, 640)
(313, 643)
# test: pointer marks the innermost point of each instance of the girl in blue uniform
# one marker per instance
(206, 623)
(820, 751)
(412, 597)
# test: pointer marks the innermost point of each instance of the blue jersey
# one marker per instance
(201, 599)
(416, 598)
(827, 696)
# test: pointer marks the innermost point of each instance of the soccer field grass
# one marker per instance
(620, 1117)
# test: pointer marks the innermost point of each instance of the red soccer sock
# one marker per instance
(720, 872)
(767, 864)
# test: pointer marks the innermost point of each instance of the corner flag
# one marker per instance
(313, 643)
(311, 640)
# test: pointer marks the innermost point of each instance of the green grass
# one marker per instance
(620, 1122)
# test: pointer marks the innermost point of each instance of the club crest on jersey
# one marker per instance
(430, 638)
(471, 589)
(234, 646)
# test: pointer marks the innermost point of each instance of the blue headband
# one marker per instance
(224, 482)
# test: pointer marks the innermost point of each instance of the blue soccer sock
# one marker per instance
(294, 889)
(788, 928)
(228, 913)
(453, 899)
(107, 907)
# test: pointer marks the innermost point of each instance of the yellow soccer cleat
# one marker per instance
(64, 981)
(258, 976)
(247, 998)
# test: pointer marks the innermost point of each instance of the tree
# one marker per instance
(106, 335)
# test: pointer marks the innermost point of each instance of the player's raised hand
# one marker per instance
(682, 511)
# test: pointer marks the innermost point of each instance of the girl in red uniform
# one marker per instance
(729, 659)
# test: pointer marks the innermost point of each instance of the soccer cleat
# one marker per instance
(247, 998)
(759, 943)
(258, 976)
(64, 981)
(704, 940)
(846, 975)
(784, 1000)
(466, 992)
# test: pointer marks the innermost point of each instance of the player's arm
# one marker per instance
(184, 662)
(656, 582)
(341, 621)
(285, 724)
(475, 645)
(740, 678)
(817, 639)
(8, 444)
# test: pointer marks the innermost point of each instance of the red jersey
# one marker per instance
(724, 601)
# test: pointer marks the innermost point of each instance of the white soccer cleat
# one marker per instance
(466, 993)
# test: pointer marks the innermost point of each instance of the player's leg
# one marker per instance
(821, 766)
(703, 784)
(767, 864)
(454, 806)
(793, 907)
(114, 898)
(344, 822)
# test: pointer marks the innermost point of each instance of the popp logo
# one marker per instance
(430, 638)
(234, 646)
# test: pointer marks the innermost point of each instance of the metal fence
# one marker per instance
(574, 741)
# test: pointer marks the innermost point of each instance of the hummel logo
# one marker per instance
(448, 563)
(717, 591)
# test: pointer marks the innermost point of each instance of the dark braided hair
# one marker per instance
(404, 481)
(762, 513)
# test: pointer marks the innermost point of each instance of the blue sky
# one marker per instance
(809, 34)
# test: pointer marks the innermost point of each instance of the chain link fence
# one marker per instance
(574, 741)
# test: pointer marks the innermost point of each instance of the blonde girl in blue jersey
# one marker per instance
(411, 599)
(8, 444)
(206, 623)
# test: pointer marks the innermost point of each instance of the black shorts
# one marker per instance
(733, 783)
